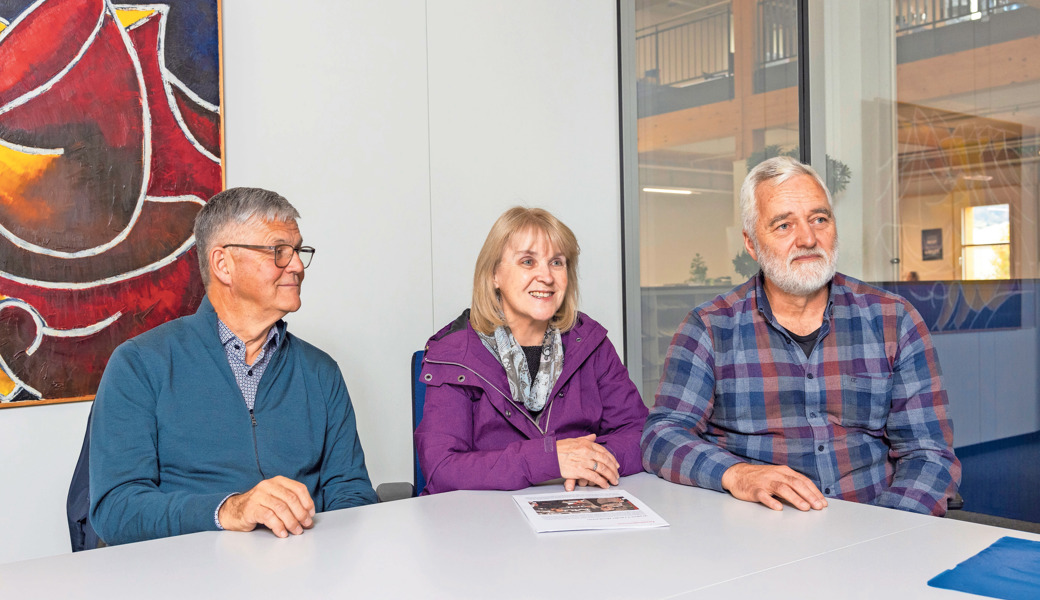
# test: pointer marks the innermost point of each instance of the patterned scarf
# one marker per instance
(505, 347)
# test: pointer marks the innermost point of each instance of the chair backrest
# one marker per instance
(77, 506)
(418, 399)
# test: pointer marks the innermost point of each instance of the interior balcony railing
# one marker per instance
(689, 60)
(777, 32)
(913, 16)
(690, 49)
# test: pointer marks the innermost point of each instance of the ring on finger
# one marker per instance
(595, 465)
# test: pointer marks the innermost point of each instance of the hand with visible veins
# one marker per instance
(281, 504)
(766, 483)
(584, 462)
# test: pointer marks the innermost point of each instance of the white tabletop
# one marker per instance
(896, 565)
(479, 545)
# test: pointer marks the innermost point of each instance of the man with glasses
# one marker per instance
(223, 419)
(803, 384)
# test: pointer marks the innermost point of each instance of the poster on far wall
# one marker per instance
(931, 244)
(110, 142)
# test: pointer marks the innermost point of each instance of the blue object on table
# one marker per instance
(1008, 569)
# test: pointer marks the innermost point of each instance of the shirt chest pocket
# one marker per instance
(866, 400)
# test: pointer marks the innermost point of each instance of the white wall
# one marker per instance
(1002, 401)
(523, 110)
(39, 446)
(400, 131)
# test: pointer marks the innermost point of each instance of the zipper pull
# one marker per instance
(252, 417)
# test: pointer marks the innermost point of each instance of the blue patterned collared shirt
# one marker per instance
(864, 416)
(247, 376)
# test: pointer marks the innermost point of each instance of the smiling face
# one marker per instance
(795, 240)
(258, 285)
(531, 279)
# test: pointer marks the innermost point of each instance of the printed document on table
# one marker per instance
(587, 509)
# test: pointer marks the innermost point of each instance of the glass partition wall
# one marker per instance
(924, 116)
(716, 91)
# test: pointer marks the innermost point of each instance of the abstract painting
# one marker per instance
(110, 142)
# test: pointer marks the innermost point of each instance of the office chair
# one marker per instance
(77, 505)
(418, 401)
(398, 490)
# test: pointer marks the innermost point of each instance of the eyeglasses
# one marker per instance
(283, 253)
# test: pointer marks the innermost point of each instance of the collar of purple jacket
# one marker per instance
(456, 356)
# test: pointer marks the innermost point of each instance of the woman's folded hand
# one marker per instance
(585, 462)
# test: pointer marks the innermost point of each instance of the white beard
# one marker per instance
(798, 280)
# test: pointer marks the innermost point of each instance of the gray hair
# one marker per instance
(236, 206)
(776, 170)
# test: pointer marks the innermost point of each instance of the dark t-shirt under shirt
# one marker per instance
(534, 362)
(807, 342)
(534, 359)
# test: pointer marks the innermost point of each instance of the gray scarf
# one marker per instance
(505, 347)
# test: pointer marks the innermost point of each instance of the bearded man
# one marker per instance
(803, 384)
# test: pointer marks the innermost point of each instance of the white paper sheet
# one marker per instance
(587, 509)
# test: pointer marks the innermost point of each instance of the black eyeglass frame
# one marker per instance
(306, 252)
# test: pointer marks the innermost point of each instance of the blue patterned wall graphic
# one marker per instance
(948, 306)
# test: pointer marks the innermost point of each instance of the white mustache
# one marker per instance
(805, 253)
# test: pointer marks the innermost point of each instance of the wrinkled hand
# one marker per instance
(585, 462)
(766, 483)
(282, 505)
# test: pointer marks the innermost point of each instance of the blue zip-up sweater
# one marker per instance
(171, 435)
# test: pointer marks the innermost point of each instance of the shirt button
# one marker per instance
(237, 347)
(560, 394)
(826, 490)
(810, 375)
(820, 447)
(509, 413)
(249, 372)
(812, 415)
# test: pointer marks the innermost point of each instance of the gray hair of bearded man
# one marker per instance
(774, 171)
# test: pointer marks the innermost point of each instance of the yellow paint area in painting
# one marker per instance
(6, 385)
(3, 26)
(129, 16)
(17, 169)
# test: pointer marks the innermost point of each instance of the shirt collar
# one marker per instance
(273, 341)
(767, 311)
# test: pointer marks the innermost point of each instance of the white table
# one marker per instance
(479, 545)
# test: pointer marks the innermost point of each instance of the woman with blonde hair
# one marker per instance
(522, 388)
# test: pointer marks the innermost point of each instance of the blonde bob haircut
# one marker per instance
(486, 312)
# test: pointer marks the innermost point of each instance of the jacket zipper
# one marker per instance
(256, 448)
(520, 408)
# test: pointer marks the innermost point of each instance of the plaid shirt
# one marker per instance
(864, 416)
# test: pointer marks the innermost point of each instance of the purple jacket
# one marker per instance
(474, 436)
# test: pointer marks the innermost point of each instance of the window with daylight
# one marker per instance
(986, 247)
